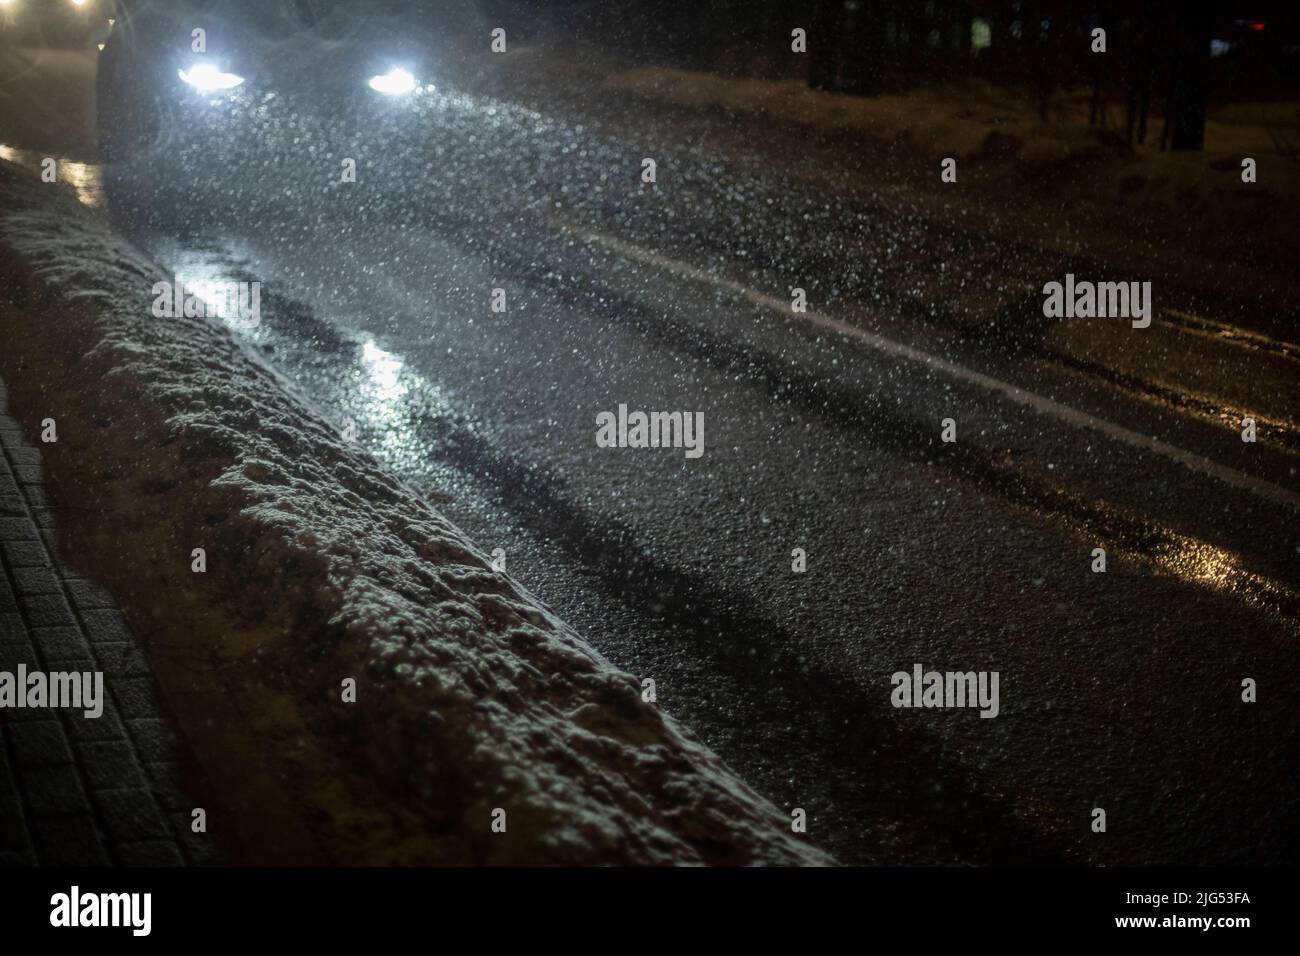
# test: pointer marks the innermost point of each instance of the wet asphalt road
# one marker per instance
(822, 432)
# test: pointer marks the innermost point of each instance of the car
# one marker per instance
(202, 103)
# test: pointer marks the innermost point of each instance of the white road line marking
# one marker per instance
(1046, 406)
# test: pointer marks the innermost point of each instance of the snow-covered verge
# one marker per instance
(469, 695)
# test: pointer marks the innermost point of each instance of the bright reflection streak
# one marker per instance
(384, 370)
(85, 179)
(1216, 568)
(208, 277)
(393, 83)
(385, 397)
(1196, 561)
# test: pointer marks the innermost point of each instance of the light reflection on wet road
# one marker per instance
(85, 178)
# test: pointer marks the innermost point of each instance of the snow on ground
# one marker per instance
(470, 695)
(1053, 181)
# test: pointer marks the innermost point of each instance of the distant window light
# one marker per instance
(1220, 47)
(934, 39)
(981, 34)
(1016, 29)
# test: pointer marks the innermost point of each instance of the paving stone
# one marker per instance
(106, 626)
(36, 581)
(13, 823)
(154, 740)
(76, 790)
(59, 644)
(25, 554)
(28, 715)
(36, 497)
(131, 815)
(200, 847)
(121, 660)
(24, 456)
(136, 696)
(89, 597)
(40, 743)
(150, 853)
(52, 791)
(72, 840)
(29, 474)
(13, 827)
(12, 628)
(163, 779)
(110, 765)
(48, 610)
(13, 653)
(107, 726)
(17, 529)
(8, 779)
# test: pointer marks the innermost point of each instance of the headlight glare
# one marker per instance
(206, 78)
(393, 83)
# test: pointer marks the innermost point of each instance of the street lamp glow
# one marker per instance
(205, 77)
(393, 83)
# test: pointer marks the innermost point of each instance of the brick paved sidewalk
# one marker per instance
(75, 790)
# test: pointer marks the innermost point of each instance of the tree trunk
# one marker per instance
(1189, 78)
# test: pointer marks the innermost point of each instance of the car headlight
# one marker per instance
(393, 83)
(207, 78)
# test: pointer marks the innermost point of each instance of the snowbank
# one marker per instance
(470, 696)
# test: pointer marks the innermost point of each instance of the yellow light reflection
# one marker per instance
(85, 179)
(1205, 564)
